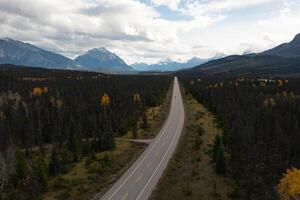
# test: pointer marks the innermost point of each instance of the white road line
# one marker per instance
(161, 161)
(139, 178)
(149, 164)
(164, 132)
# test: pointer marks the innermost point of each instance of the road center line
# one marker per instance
(151, 147)
(125, 196)
(161, 161)
(149, 164)
(139, 178)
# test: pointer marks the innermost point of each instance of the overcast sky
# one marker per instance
(151, 30)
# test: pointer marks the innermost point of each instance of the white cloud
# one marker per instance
(138, 32)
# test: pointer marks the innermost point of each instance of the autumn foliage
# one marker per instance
(136, 98)
(38, 91)
(105, 100)
(289, 185)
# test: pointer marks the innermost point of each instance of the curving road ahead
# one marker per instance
(141, 178)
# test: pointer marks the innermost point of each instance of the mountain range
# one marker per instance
(170, 65)
(97, 59)
(281, 60)
(25, 54)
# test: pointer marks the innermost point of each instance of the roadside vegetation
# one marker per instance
(192, 173)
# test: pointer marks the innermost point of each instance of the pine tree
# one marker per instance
(108, 142)
(134, 131)
(73, 141)
(55, 164)
(198, 142)
(215, 148)
(145, 122)
(220, 160)
(77, 149)
(200, 130)
(40, 172)
(20, 165)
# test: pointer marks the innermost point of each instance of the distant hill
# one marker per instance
(100, 59)
(281, 60)
(38, 72)
(20, 53)
(291, 49)
(249, 64)
(170, 65)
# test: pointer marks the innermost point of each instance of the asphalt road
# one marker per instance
(141, 178)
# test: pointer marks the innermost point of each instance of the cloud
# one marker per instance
(137, 31)
(281, 24)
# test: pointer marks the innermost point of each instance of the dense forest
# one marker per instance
(76, 113)
(261, 128)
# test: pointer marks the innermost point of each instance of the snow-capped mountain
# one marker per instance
(169, 65)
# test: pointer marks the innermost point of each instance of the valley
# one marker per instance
(149, 100)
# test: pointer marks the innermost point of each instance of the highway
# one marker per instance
(140, 179)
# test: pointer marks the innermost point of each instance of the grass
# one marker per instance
(190, 173)
(156, 116)
(84, 180)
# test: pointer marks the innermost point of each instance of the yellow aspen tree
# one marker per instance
(45, 90)
(37, 91)
(289, 185)
(105, 100)
(136, 98)
(280, 83)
